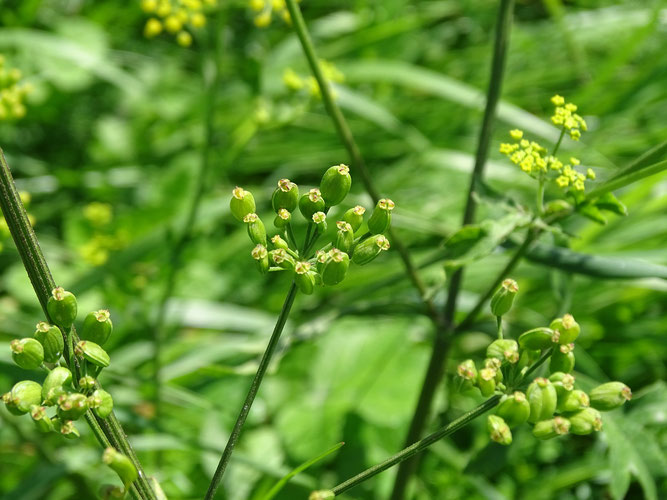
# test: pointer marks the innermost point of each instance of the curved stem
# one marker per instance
(252, 392)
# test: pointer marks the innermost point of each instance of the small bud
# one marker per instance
(278, 242)
(311, 203)
(93, 353)
(486, 381)
(504, 350)
(467, 370)
(610, 396)
(547, 429)
(87, 383)
(573, 401)
(256, 229)
(66, 428)
(336, 267)
(282, 259)
(261, 255)
(24, 395)
(563, 382)
(283, 217)
(568, 329)
(62, 307)
(72, 406)
(97, 327)
(285, 196)
(537, 338)
(380, 219)
(101, 403)
(52, 341)
(41, 419)
(585, 421)
(304, 278)
(335, 184)
(53, 384)
(514, 409)
(542, 397)
(321, 495)
(498, 430)
(242, 203)
(344, 236)
(562, 359)
(355, 217)
(28, 353)
(369, 249)
(502, 300)
(121, 465)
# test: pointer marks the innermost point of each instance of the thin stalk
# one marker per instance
(436, 366)
(539, 196)
(252, 392)
(42, 281)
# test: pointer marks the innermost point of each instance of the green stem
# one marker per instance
(499, 320)
(252, 392)
(40, 276)
(436, 366)
(539, 196)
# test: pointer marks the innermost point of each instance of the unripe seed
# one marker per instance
(335, 184)
(41, 419)
(514, 409)
(285, 196)
(52, 341)
(467, 370)
(53, 384)
(11, 404)
(311, 203)
(585, 421)
(242, 203)
(562, 359)
(87, 383)
(321, 495)
(355, 217)
(62, 307)
(282, 218)
(66, 428)
(573, 401)
(320, 220)
(567, 329)
(537, 338)
(97, 327)
(380, 219)
(504, 350)
(336, 267)
(486, 381)
(369, 249)
(494, 364)
(563, 382)
(610, 396)
(101, 403)
(542, 397)
(278, 242)
(282, 259)
(498, 430)
(322, 258)
(27, 353)
(72, 406)
(24, 395)
(256, 229)
(121, 465)
(502, 300)
(547, 429)
(344, 236)
(93, 353)
(261, 255)
(304, 277)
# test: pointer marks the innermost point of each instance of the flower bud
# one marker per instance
(355, 217)
(467, 370)
(242, 203)
(380, 219)
(66, 428)
(282, 218)
(494, 364)
(282, 259)
(514, 409)
(92, 353)
(573, 401)
(285, 196)
(344, 236)
(304, 277)
(87, 383)
(335, 184)
(563, 382)
(256, 229)
(335, 269)
(537, 338)
(585, 421)
(278, 242)
(321, 495)
(610, 396)
(369, 249)
(541, 395)
(72, 406)
(52, 341)
(566, 328)
(498, 430)
(547, 429)
(53, 384)
(320, 220)
(311, 203)
(261, 255)
(562, 359)
(504, 350)
(121, 465)
(27, 353)
(23, 396)
(501, 302)
(41, 419)
(62, 307)
(322, 258)
(486, 381)
(97, 327)
(101, 403)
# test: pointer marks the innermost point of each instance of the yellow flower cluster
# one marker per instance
(96, 251)
(295, 83)
(264, 10)
(12, 92)
(175, 17)
(565, 116)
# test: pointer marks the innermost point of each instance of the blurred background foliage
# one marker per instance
(109, 148)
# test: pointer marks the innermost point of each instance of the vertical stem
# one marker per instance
(252, 392)
(436, 365)
(499, 321)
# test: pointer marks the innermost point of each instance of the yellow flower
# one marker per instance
(575, 134)
(516, 134)
(263, 20)
(184, 39)
(256, 5)
(198, 20)
(291, 80)
(148, 6)
(590, 173)
(173, 24)
(557, 100)
(163, 9)
(574, 161)
(153, 28)
(579, 185)
(562, 181)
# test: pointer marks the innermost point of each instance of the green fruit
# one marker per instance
(504, 350)
(355, 217)
(41, 419)
(304, 277)
(344, 236)
(547, 429)
(566, 328)
(486, 381)
(121, 465)
(97, 327)
(502, 300)
(369, 249)
(498, 430)
(53, 384)
(335, 184)
(467, 370)
(610, 396)
(285, 196)
(92, 353)
(380, 219)
(278, 242)
(87, 383)
(335, 269)
(256, 229)
(563, 382)
(282, 259)
(573, 401)
(514, 409)
(52, 341)
(242, 203)
(261, 256)
(66, 428)
(542, 397)
(101, 403)
(11, 404)
(283, 217)
(28, 353)
(24, 395)
(62, 307)
(585, 421)
(320, 220)
(537, 339)
(311, 203)
(72, 406)
(562, 359)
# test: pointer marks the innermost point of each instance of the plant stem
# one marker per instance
(40, 276)
(436, 366)
(499, 321)
(252, 392)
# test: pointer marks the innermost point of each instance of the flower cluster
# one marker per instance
(265, 9)
(176, 17)
(62, 399)
(565, 116)
(551, 404)
(12, 92)
(4, 228)
(354, 239)
(297, 83)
